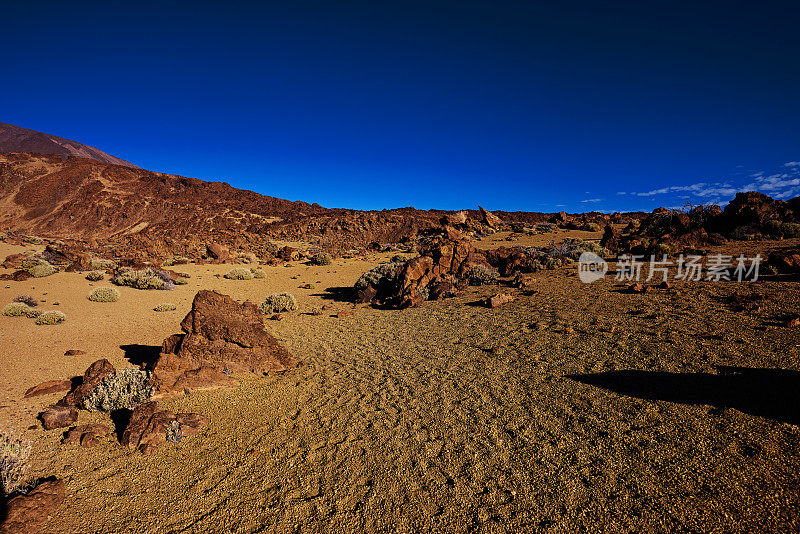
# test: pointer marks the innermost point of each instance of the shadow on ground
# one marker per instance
(770, 393)
(141, 354)
(338, 294)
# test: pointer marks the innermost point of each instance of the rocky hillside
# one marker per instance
(16, 139)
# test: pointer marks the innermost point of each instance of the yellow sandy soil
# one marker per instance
(449, 417)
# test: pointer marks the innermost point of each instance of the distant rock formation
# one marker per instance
(17, 139)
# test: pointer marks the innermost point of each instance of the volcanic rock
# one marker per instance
(221, 336)
(498, 300)
(51, 386)
(25, 513)
(57, 416)
(218, 252)
(86, 435)
(148, 427)
(91, 379)
(490, 219)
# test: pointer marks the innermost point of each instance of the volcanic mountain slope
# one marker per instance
(17, 139)
(85, 199)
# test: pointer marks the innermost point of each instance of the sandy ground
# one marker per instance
(445, 418)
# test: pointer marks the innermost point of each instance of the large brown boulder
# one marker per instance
(26, 513)
(58, 416)
(217, 252)
(221, 336)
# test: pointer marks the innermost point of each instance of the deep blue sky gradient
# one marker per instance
(434, 104)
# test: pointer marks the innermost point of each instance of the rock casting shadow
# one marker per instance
(769, 393)
(141, 354)
(338, 294)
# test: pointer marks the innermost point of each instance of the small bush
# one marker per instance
(174, 432)
(176, 260)
(381, 275)
(41, 269)
(95, 276)
(781, 229)
(278, 303)
(144, 279)
(27, 299)
(100, 264)
(51, 317)
(104, 294)
(19, 309)
(481, 275)
(258, 273)
(240, 273)
(165, 307)
(127, 388)
(32, 239)
(321, 258)
(14, 454)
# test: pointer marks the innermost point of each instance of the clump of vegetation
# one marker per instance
(20, 309)
(482, 275)
(144, 279)
(32, 239)
(382, 275)
(3, 236)
(782, 230)
(100, 264)
(573, 248)
(95, 276)
(174, 432)
(14, 455)
(40, 269)
(26, 299)
(51, 317)
(176, 260)
(127, 388)
(104, 294)
(321, 258)
(278, 303)
(240, 273)
(592, 227)
(258, 273)
(165, 307)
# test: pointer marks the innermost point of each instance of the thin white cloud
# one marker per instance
(792, 164)
(592, 200)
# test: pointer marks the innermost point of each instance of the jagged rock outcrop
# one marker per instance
(221, 336)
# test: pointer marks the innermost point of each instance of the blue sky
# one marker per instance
(536, 106)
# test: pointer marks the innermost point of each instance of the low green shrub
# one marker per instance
(51, 317)
(40, 269)
(104, 294)
(321, 258)
(100, 264)
(381, 275)
(19, 309)
(127, 388)
(32, 239)
(95, 276)
(240, 273)
(482, 275)
(176, 260)
(14, 455)
(144, 279)
(278, 303)
(258, 273)
(165, 307)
